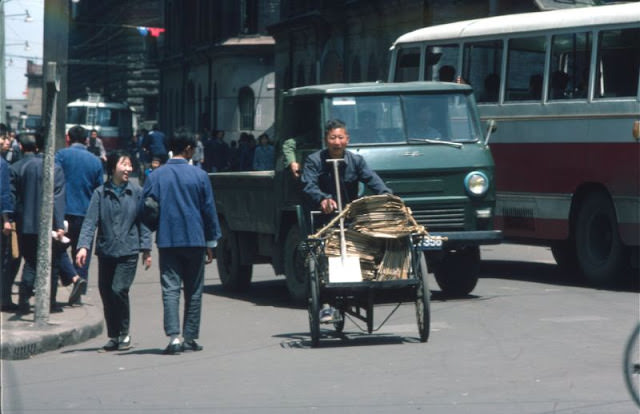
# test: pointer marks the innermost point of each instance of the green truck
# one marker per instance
(425, 141)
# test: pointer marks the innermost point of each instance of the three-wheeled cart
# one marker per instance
(356, 299)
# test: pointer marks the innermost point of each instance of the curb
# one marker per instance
(26, 339)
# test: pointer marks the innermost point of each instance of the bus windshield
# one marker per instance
(398, 119)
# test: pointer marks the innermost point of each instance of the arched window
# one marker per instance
(246, 107)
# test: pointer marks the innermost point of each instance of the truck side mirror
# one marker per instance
(491, 128)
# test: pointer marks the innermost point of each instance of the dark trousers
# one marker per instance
(9, 270)
(115, 276)
(29, 249)
(182, 265)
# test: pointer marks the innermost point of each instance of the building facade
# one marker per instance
(109, 54)
(217, 66)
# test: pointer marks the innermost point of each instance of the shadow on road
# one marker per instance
(261, 293)
(547, 273)
(332, 339)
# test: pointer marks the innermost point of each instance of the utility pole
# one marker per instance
(43, 272)
(56, 34)
(55, 49)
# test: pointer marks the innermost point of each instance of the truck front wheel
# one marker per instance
(457, 273)
(294, 256)
(234, 276)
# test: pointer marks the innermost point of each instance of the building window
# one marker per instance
(246, 105)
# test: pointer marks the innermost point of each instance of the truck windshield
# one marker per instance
(399, 119)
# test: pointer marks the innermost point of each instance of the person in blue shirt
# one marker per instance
(113, 212)
(83, 174)
(156, 144)
(264, 157)
(318, 179)
(6, 209)
(187, 231)
(26, 189)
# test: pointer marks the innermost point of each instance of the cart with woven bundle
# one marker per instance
(380, 235)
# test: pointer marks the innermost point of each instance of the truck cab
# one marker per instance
(425, 141)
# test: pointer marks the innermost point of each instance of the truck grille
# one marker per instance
(441, 218)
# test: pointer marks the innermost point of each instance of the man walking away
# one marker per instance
(83, 174)
(187, 232)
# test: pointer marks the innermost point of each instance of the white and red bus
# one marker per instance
(562, 87)
(116, 122)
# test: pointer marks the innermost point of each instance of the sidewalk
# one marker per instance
(20, 338)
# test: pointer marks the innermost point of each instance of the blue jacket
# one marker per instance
(157, 143)
(26, 188)
(264, 158)
(6, 202)
(120, 230)
(83, 172)
(319, 182)
(188, 215)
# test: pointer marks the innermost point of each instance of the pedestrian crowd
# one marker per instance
(120, 216)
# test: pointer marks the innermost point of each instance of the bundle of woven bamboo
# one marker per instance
(378, 232)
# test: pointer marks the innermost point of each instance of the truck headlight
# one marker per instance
(476, 183)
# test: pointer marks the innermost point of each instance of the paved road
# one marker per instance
(527, 341)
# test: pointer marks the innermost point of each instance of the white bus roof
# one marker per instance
(526, 22)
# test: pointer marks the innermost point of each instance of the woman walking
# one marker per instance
(113, 211)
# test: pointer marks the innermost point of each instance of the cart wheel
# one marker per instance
(339, 326)
(314, 301)
(423, 298)
(631, 365)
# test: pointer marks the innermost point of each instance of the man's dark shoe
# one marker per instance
(76, 291)
(173, 348)
(191, 345)
(124, 343)
(111, 345)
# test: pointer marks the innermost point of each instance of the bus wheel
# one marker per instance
(294, 268)
(234, 276)
(599, 250)
(457, 273)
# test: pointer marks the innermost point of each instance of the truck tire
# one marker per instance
(457, 273)
(599, 250)
(294, 256)
(235, 277)
(564, 253)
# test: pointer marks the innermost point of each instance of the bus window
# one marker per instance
(107, 117)
(481, 67)
(76, 115)
(440, 63)
(618, 63)
(408, 64)
(525, 66)
(569, 71)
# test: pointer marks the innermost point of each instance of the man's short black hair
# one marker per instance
(182, 138)
(334, 124)
(31, 141)
(77, 134)
(3, 129)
